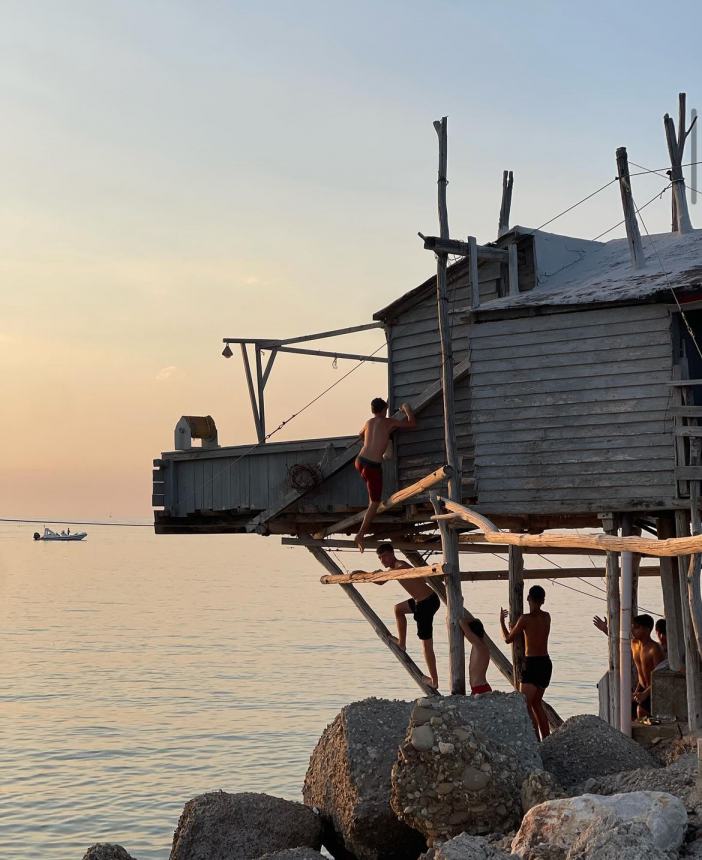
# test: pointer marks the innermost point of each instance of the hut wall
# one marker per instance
(415, 363)
(570, 411)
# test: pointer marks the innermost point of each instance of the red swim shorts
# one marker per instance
(372, 474)
(483, 688)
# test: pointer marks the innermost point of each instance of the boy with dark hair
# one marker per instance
(537, 668)
(422, 605)
(479, 656)
(662, 634)
(369, 463)
(647, 655)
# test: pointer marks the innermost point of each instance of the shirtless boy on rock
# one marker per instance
(422, 605)
(369, 463)
(536, 672)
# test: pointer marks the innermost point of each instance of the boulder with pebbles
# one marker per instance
(585, 746)
(107, 851)
(220, 826)
(348, 781)
(591, 827)
(504, 719)
(465, 847)
(450, 777)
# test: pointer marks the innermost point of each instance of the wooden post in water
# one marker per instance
(693, 663)
(449, 538)
(516, 607)
(375, 622)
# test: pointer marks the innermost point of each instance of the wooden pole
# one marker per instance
(473, 270)
(260, 384)
(513, 269)
(694, 592)
(659, 548)
(632, 225)
(676, 150)
(516, 607)
(502, 663)
(670, 586)
(435, 477)
(625, 616)
(693, 663)
(376, 623)
(449, 538)
(613, 637)
(505, 206)
(454, 607)
(384, 575)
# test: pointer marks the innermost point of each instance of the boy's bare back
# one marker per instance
(536, 627)
(376, 435)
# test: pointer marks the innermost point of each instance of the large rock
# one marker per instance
(504, 719)
(348, 781)
(221, 826)
(450, 778)
(570, 828)
(586, 746)
(538, 787)
(107, 851)
(679, 779)
(607, 839)
(465, 847)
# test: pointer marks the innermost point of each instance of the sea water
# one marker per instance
(137, 671)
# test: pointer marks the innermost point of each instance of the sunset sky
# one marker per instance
(178, 172)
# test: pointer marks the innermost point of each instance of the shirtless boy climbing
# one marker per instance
(479, 656)
(647, 654)
(422, 606)
(536, 672)
(369, 463)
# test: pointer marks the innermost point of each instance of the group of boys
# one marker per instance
(423, 602)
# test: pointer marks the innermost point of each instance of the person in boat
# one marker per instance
(537, 668)
(479, 656)
(369, 463)
(422, 605)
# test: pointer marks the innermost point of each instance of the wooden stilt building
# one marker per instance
(575, 374)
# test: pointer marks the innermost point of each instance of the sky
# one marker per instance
(178, 172)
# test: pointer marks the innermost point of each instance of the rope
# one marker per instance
(656, 196)
(77, 523)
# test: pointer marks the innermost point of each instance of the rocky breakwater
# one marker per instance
(452, 777)
(348, 781)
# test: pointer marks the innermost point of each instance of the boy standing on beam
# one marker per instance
(422, 605)
(369, 463)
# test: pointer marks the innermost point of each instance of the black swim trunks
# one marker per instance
(537, 671)
(423, 613)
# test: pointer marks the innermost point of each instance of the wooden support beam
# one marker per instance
(614, 685)
(252, 394)
(516, 608)
(384, 575)
(260, 385)
(441, 245)
(379, 359)
(671, 600)
(694, 591)
(693, 662)
(631, 224)
(501, 662)
(658, 548)
(420, 486)
(376, 623)
(449, 539)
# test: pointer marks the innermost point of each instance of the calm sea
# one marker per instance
(138, 671)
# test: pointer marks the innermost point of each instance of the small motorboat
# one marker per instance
(63, 535)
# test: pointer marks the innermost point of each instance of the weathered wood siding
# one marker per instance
(415, 363)
(240, 480)
(570, 411)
